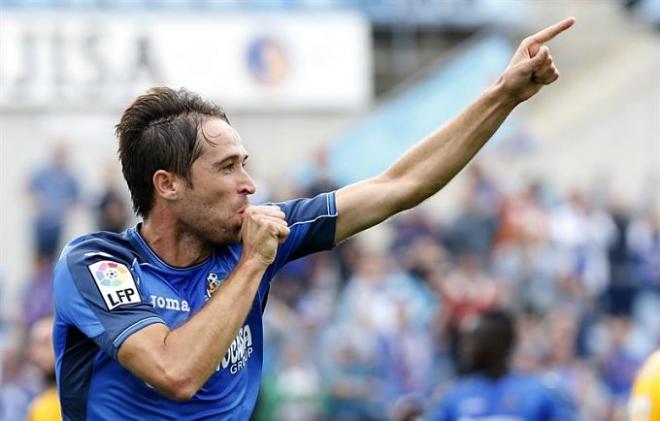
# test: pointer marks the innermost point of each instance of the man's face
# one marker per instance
(212, 209)
(41, 345)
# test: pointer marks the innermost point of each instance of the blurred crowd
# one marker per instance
(372, 330)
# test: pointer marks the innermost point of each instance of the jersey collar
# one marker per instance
(150, 256)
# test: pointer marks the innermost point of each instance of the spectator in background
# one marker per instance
(112, 208)
(411, 227)
(566, 371)
(18, 384)
(299, 388)
(523, 216)
(38, 294)
(405, 356)
(619, 363)
(644, 244)
(620, 293)
(314, 177)
(488, 389)
(531, 341)
(377, 291)
(522, 254)
(473, 231)
(46, 406)
(582, 234)
(426, 260)
(54, 192)
(484, 189)
(466, 292)
(352, 373)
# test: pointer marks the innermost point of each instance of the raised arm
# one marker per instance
(178, 362)
(435, 160)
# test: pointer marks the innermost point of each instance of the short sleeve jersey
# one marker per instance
(108, 286)
(511, 398)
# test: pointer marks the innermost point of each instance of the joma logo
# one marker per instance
(169, 303)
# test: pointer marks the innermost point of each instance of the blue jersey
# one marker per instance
(108, 286)
(510, 398)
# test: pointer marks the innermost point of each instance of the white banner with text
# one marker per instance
(92, 61)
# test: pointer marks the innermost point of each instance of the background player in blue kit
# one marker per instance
(163, 321)
(488, 390)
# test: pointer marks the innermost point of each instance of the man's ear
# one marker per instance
(167, 185)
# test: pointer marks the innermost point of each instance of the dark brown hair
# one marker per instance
(489, 345)
(159, 131)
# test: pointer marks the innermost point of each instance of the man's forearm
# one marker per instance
(194, 350)
(434, 161)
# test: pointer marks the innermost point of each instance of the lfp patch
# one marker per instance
(115, 282)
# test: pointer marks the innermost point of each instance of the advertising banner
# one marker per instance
(255, 61)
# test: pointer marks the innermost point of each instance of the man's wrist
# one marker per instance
(252, 264)
(503, 96)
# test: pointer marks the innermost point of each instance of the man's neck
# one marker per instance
(174, 244)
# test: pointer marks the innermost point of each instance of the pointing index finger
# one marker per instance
(550, 32)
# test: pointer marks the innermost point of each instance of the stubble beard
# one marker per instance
(204, 226)
(221, 234)
(216, 232)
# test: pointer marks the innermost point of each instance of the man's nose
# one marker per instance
(247, 184)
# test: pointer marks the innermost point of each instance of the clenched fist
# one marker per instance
(532, 66)
(264, 227)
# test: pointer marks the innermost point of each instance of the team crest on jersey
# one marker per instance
(213, 282)
(115, 282)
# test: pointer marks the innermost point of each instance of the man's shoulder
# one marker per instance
(537, 390)
(306, 210)
(468, 386)
(465, 389)
(479, 384)
(96, 268)
(527, 382)
(101, 245)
